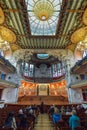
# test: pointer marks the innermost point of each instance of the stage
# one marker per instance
(48, 100)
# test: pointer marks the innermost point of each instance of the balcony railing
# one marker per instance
(44, 79)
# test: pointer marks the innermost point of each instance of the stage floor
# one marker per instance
(48, 100)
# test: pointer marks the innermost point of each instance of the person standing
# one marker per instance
(42, 107)
(74, 120)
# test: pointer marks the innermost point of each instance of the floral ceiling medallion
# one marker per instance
(7, 34)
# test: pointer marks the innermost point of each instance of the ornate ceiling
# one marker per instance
(52, 26)
(17, 19)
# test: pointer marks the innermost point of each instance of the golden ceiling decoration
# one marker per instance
(2, 17)
(43, 10)
(72, 47)
(85, 17)
(79, 35)
(7, 34)
(14, 47)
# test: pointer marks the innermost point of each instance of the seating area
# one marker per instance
(62, 124)
(7, 109)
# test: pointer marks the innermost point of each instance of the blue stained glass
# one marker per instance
(43, 56)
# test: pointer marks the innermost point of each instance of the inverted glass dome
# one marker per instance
(43, 16)
(43, 56)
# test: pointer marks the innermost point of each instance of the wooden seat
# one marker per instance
(21, 128)
(62, 123)
(7, 128)
(79, 128)
(65, 128)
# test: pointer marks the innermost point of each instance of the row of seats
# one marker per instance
(63, 123)
(6, 110)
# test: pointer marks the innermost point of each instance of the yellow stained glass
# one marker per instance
(43, 16)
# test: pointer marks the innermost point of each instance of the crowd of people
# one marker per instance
(22, 119)
(29, 113)
(74, 119)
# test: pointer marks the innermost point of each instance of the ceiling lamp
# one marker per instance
(43, 10)
(7, 34)
(85, 17)
(79, 35)
(14, 47)
(2, 17)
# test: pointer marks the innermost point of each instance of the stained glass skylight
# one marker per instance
(43, 16)
(43, 56)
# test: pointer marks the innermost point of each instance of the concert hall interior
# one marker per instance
(43, 54)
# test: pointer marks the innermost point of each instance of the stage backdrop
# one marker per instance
(27, 89)
(58, 89)
(53, 89)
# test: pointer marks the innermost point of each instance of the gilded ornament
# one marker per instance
(85, 17)
(7, 34)
(2, 17)
(14, 47)
(79, 35)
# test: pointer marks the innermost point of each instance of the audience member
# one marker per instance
(51, 109)
(20, 113)
(62, 110)
(74, 120)
(31, 116)
(68, 112)
(78, 107)
(56, 115)
(72, 108)
(10, 121)
(23, 121)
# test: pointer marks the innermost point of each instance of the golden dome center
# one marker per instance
(43, 10)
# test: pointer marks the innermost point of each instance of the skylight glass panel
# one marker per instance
(43, 16)
(43, 56)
